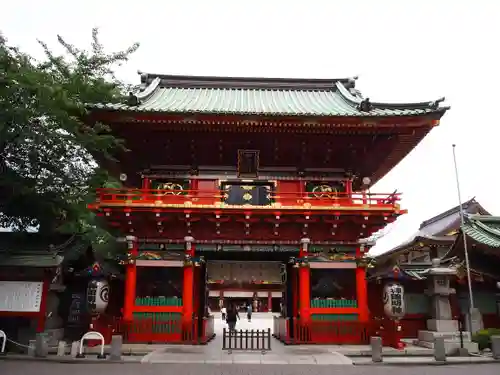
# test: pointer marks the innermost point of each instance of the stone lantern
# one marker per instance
(441, 323)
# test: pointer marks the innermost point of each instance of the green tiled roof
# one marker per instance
(34, 250)
(47, 260)
(261, 96)
(483, 229)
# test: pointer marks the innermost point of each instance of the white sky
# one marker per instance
(410, 50)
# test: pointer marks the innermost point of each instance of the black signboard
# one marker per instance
(251, 194)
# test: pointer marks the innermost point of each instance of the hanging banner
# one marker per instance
(394, 302)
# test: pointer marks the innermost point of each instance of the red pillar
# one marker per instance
(295, 292)
(361, 289)
(196, 290)
(348, 190)
(40, 326)
(130, 278)
(269, 301)
(304, 282)
(188, 284)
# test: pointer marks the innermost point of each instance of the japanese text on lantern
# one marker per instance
(394, 305)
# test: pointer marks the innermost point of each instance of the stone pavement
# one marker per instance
(44, 368)
(280, 354)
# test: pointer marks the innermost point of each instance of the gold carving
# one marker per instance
(324, 191)
(175, 188)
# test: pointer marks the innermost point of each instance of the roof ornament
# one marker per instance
(435, 104)
(132, 100)
(365, 105)
(352, 81)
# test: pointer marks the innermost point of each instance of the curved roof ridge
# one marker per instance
(191, 81)
(451, 211)
(380, 105)
(148, 91)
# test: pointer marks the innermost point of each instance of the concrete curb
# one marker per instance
(77, 361)
(65, 360)
(464, 361)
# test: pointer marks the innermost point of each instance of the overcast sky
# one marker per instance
(403, 51)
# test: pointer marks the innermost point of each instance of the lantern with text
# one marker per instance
(98, 296)
(394, 303)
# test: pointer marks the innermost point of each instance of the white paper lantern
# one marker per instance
(98, 296)
(394, 300)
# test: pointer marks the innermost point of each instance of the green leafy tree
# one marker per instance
(47, 170)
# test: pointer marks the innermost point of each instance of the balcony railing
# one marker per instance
(217, 198)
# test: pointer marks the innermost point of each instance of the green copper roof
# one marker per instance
(48, 260)
(261, 96)
(483, 229)
(35, 250)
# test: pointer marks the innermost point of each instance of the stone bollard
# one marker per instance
(61, 348)
(75, 346)
(41, 345)
(439, 349)
(116, 348)
(376, 345)
(495, 347)
(31, 348)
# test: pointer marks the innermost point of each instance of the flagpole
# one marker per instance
(466, 252)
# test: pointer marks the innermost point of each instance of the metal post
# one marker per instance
(466, 252)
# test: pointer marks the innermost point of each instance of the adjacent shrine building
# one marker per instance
(253, 190)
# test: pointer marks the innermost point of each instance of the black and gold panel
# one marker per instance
(171, 187)
(324, 189)
(251, 194)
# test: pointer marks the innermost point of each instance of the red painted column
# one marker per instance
(196, 290)
(269, 301)
(304, 282)
(348, 190)
(146, 183)
(361, 289)
(130, 278)
(188, 284)
(295, 292)
(40, 326)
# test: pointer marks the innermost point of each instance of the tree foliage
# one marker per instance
(48, 173)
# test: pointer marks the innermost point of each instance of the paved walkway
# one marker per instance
(280, 354)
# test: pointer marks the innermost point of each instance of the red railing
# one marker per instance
(173, 331)
(215, 197)
(295, 331)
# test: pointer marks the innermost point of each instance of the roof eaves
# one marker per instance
(427, 107)
(447, 213)
(418, 239)
(134, 109)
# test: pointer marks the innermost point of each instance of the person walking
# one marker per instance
(231, 317)
(223, 311)
(249, 312)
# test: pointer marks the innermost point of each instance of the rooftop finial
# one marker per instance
(435, 104)
(365, 105)
(132, 100)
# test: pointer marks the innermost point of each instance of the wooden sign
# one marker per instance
(20, 296)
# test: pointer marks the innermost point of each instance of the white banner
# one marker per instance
(20, 296)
